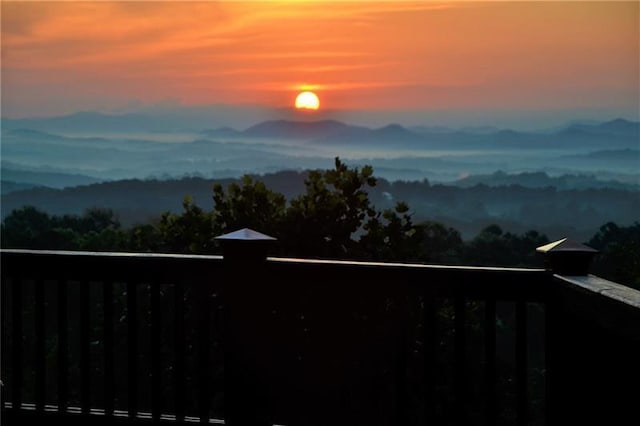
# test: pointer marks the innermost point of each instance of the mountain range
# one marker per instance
(140, 165)
(86, 147)
(620, 132)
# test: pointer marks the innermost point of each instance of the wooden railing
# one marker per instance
(120, 337)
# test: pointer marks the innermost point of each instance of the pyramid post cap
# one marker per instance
(566, 245)
(567, 257)
(245, 234)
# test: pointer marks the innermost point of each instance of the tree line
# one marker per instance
(334, 217)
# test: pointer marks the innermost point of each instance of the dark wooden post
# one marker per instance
(567, 362)
(246, 345)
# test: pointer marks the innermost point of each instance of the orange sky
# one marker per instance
(60, 57)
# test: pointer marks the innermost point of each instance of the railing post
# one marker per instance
(568, 360)
(246, 360)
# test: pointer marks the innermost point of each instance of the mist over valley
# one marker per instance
(470, 177)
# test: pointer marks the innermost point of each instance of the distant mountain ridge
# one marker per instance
(617, 133)
(300, 129)
(321, 129)
(7, 187)
(23, 179)
(330, 131)
(618, 126)
(608, 149)
(543, 180)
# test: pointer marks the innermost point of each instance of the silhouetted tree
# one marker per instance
(392, 236)
(96, 229)
(146, 238)
(250, 205)
(189, 232)
(440, 244)
(26, 227)
(619, 257)
(322, 221)
(332, 218)
(494, 247)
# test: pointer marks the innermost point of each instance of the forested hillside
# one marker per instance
(514, 207)
(340, 213)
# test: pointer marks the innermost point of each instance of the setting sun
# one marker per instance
(307, 100)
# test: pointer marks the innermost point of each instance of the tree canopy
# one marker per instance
(333, 217)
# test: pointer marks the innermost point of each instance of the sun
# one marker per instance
(307, 100)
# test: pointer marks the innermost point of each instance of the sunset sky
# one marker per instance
(575, 58)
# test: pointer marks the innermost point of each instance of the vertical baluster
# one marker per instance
(401, 353)
(429, 348)
(551, 342)
(109, 374)
(40, 355)
(521, 363)
(490, 361)
(63, 342)
(179, 348)
(203, 309)
(4, 335)
(460, 349)
(16, 362)
(85, 348)
(132, 348)
(156, 353)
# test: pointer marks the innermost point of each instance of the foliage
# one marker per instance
(323, 220)
(30, 228)
(441, 244)
(391, 235)
(493, 247)
(515, 208)
(27, 227)
(250, 205)
(190, 232)
(619, 257)
(333, 217)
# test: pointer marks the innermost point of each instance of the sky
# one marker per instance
(425, 61)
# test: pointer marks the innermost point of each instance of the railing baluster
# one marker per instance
(401, 354)
(109, 374)
(132, 346)
(429, 354)
(63, 342)
(521, 363)
(16, 362)
(460, 349)
(490, 361)
(40, 355)
(4, 336)
(552, 324)
(179, 342)
(156, 353)
(85, 348)
(203, 309)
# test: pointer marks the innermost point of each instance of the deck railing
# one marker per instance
(122, 337)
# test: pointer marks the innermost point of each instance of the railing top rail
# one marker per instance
(283, 260)
(475, 282)
(111, 254)
(605, 288)
(403, 265)
(612, 306)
